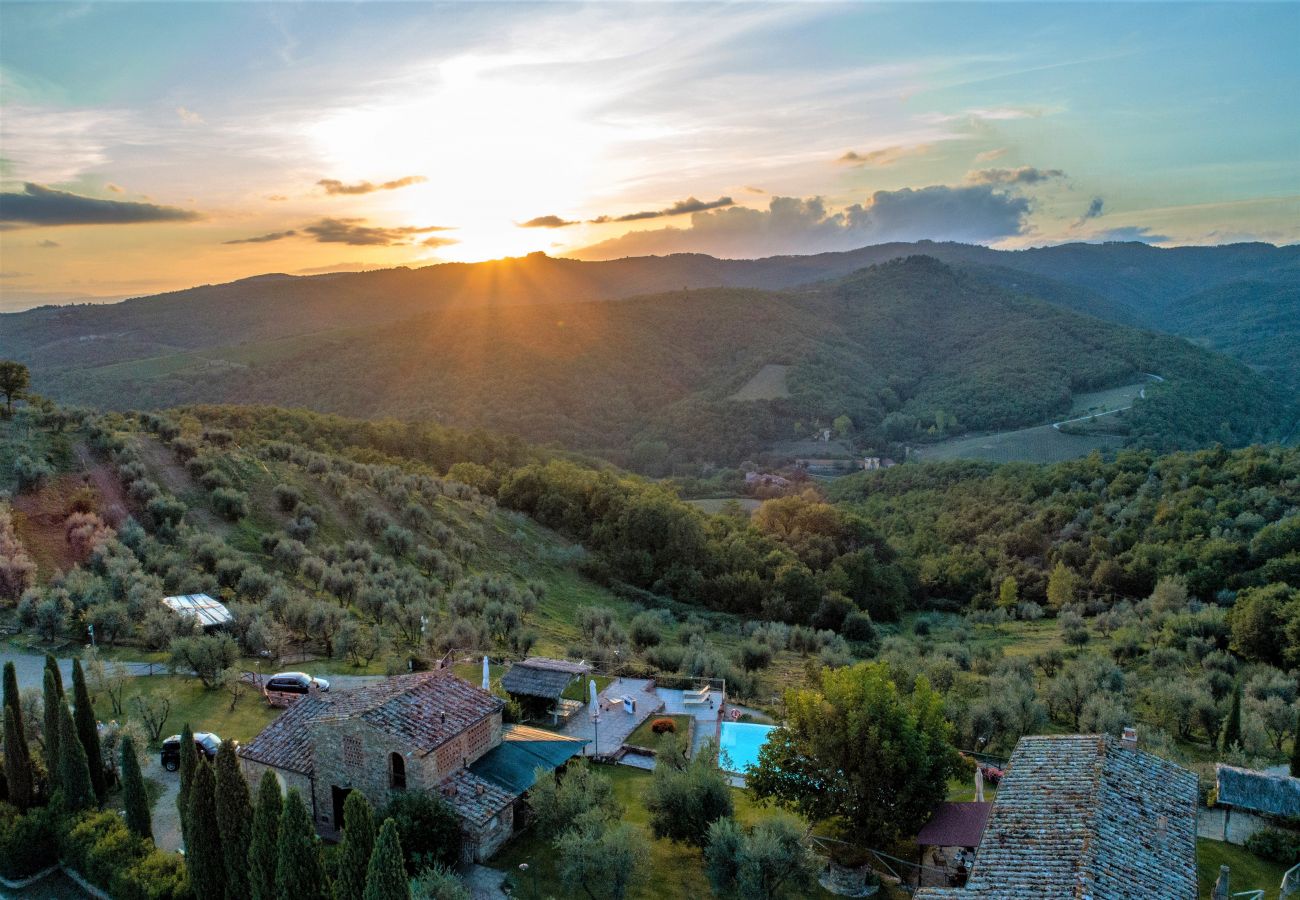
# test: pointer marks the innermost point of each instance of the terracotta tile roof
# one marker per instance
(422, 710)
(475, 799)
(1080, 816)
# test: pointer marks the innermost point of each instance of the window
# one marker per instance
(352, 751)
(396, 772)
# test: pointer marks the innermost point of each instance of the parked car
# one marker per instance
(205, 742)
(287, 688)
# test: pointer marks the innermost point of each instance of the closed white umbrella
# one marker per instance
(979, 785)
(595, 717)
(487, 679)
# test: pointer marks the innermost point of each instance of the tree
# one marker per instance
(355, 849)
(1295, 747)
(263, 845)
(559, 799)
(684, 801)
(19, 781)
(12, 697)
(1232, 729)
(429, 829)
(234, 820)
(842, 742)
(767, 862)
(153, 711)
(88, 729)
(601, 858)
(52, 695)
(74, 771)
(189, 762)
(203, 857)
(207, 655)
(299, 872)
(1009, 593)
(1259, 618)
(438, 883)
(134, 797)
(1061, 587)
(386, 874)
(14, 379)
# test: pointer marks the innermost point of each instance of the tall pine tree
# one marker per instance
(134, 797)
(1232, 730)
(299, 872)
(52, 696)
(12, 700)
(263, 845)
(87, 730)
(386, 875)
(1295, 748)
(354, 852)
(234, 821)
(189, 762)
(74, 772)
(18, 762)
(203, 858)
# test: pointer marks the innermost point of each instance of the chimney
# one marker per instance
(1130, 739)
(443, 717)
(478, 789)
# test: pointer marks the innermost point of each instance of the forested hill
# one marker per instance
(894, 348)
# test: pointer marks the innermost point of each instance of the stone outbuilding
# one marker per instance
(424, 732)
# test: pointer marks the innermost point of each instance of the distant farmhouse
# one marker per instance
(1085, 816)
(1255, 799)
(430, 731)
(208, 614)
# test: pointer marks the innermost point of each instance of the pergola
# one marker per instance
(538, 683)
(953, 825)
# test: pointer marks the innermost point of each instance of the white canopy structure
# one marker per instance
(207, 612)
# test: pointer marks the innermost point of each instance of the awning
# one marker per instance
(513, 763)
(955, 825)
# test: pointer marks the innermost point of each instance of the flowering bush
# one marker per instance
(662, 726)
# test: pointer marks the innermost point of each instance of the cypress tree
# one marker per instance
(354, 852)
(134, 797)
(87, 731)
(1232, 730)
(1295, 749)
(189, 762)
(386, 876)
(52, 696)
(19, 782)
(263, 845)
(203, 845)
(74, 771)
(12, 700)
(299, 872)
(234, 821)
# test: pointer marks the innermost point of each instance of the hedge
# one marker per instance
(28, 843)
(100, 847)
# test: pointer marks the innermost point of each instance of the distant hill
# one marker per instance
(648, 380)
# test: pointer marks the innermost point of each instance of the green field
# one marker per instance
(644, 736)
(1246, 870)
(767, 384)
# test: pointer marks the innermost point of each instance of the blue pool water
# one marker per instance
(741, 742)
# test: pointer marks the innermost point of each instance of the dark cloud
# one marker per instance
(546, 222)
(263, 238)
(970, 213)
(1128, 233)
(1022, 175)
(1092, 212)
(886, 156)
(48, 244)
(333, 186)
(356, 234)
(39, 205)
(436, 241)
(681, 207)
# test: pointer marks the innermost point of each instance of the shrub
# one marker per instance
(287, 497)
(28, 843)
(31, 474)
(663, 726)
(1275, 845)
(428, 828)
(230, 504)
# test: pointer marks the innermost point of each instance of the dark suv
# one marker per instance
(205, 742)
(288, 688)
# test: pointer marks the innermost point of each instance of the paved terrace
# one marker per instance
(615, 724)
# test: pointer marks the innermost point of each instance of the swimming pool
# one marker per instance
(741, 742)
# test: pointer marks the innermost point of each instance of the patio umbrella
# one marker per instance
(595, 717)
(979, 785)
(487, 680)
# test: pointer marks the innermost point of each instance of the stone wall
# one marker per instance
(253, 773)
(482, 843)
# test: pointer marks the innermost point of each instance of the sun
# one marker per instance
(495, 147)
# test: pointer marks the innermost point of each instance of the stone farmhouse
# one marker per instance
(430, 731)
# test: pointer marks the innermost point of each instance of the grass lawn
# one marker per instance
(578, 689)
(644, 737)
(205, 710)
(676, 870)
(1248, 871)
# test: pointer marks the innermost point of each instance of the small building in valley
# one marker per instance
(1085, 816)
(1255, 799)
(430, 731)
(208, 614)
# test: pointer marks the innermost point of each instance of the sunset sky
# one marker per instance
(151, 147)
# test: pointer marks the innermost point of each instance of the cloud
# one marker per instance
(188, 116)
(990, 155)
(1128, 233)
(334, 186)
(11, 274)
(438, 241)
(754, 190)
(1092, 212)
(48, 244)
(39, 205)
(1022, 175)
(970, 213)
(546, 222)
(886, 156)
(354, 233)
(681, 207)
(115, 188)
(263, 238)
(276, 198)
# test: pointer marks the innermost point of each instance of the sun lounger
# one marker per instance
(696, 697)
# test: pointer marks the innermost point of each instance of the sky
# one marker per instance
(151, 147)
